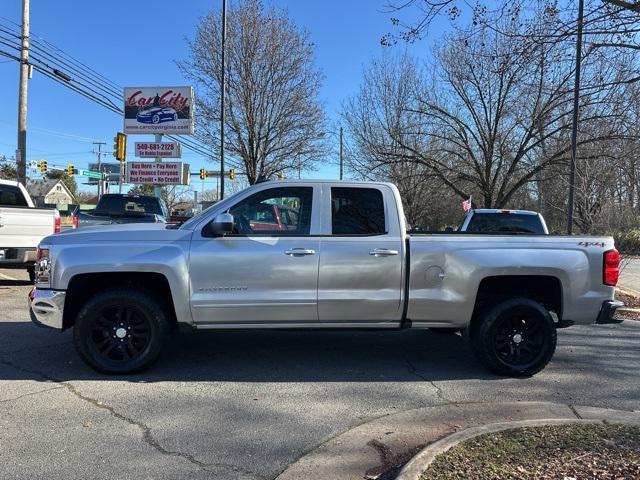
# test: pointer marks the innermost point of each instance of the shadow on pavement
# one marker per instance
(14, 283)
(29, 352)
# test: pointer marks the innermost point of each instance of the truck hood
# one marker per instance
(124, 233)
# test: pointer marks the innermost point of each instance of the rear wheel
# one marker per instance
(121, 331)
(517, 337)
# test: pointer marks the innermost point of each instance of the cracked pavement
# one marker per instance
(244, 405)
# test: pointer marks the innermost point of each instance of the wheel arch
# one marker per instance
(544, 289)
(82, 286)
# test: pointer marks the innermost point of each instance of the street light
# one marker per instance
(340, 134)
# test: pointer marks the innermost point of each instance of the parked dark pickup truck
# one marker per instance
(122, 208)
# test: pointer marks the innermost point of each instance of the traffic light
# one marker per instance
(203, 174)
(70, 169)
(43, 167)
(232, 174)
(120, 146)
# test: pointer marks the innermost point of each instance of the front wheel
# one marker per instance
(516, 337)
(120, 331)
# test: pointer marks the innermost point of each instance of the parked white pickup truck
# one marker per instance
(22, 226)
(318, 254)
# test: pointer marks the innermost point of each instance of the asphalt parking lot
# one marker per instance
(244, 405)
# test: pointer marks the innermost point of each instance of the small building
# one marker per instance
(49, 192)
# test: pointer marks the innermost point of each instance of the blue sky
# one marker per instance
(135, 43)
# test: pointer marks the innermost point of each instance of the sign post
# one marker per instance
(157, 189)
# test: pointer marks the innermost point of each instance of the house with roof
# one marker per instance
(49, 192)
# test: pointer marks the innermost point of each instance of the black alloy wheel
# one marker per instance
(120, 333)
(121, 330)
(519, 340)
(517, 337)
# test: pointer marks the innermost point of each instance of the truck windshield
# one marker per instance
(505, 222)
(11, 196)
(127, 204)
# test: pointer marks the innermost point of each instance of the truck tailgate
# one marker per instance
(25, 227)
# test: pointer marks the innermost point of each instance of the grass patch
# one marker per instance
(577, 451)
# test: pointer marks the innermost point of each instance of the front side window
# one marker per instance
(357, 211)
(276, 211)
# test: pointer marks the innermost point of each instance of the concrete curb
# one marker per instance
(628, 291)
(371, 449)
(418, 464)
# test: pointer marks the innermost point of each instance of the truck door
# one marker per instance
(267, 270)
(361, 265)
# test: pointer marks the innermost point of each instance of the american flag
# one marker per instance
(467, 205)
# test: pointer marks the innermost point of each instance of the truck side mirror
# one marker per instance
(221, 225)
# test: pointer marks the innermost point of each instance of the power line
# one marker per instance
(107, 86)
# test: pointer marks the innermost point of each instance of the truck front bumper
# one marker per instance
(607, 311)
(46, 307)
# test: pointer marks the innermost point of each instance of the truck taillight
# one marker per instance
(57, 225)
(75, 221)
(611, 268)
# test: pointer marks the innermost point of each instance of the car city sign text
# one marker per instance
(158, 150)
(158, 110)
(156, 173)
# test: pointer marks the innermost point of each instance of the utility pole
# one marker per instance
(222, 95)
(341, 162)
(157, 189)
(22, 95)
(576, 106)
(99, 153)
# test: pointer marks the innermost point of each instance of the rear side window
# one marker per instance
(505, 223)
(12, 196)
(357, 211)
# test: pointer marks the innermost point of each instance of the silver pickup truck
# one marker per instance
(318, 254)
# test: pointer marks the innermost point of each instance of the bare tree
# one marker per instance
(492, 115)
(606, 23)
(273, 117)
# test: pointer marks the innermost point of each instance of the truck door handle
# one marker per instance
(299, 252)
(383, 252)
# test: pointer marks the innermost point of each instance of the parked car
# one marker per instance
(22, 226)
(116, 208)
(345, 261)
(489, 220)
(157, 115)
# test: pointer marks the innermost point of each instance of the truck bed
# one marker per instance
(446, 271)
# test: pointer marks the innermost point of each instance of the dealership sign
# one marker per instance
(158, 110)
(156, 173)
(158, 150)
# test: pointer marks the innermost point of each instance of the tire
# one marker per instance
(32, 274)
(517, 337)
(121, 331)
(444, 330)
(155, 119)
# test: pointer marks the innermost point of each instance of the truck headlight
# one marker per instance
(43, 267)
